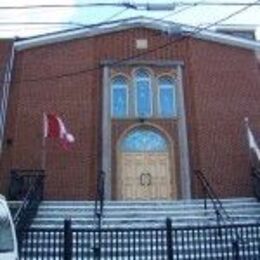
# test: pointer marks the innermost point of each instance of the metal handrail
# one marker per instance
(219, 209)
(217, 204)
(98, 212)
(99, 201)
(31, 199)
(256, 181)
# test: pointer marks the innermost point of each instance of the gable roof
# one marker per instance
(137, 22)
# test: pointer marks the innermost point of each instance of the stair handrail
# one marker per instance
(31, 200)
(255, 171)
(218, 207)
(209, 192)
(98, 212)
(99, 201)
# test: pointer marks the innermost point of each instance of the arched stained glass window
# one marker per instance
(143, 93)
(119, 97)
(144, 140)
(167, 97)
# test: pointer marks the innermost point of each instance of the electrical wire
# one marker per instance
(75, 24)
(126, 4)
(183, 9)
(42, 23)
(186, 8)
(196, 30)
(115, 15)
(174, 12)
(55, 6)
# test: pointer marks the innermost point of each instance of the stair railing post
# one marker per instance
(41, 186)
(67, 240)
(235, 248)
(169, 239)
(205, 198)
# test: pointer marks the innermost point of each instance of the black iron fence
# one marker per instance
(165, 243)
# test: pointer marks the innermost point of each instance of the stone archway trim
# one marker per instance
(182, 129)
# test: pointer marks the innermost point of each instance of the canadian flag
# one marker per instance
(53, 127)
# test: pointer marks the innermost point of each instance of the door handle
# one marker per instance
(145, 179)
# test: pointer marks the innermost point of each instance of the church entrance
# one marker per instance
(144, 166)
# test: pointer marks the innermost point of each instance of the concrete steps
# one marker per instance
(190, 243)
(144, 213)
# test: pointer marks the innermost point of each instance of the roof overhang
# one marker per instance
(125, 24)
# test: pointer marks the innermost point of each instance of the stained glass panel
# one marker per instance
(144, 141)
(143, 93)
(167, 97)
(119, 97)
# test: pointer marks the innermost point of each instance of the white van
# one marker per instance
(8, 241)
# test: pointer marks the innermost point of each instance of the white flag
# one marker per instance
(252, 142)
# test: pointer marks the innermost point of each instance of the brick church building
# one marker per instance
(147, 101)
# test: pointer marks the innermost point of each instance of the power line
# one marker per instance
(135, 6)
(81, 25)
(178, 11)
(187, 6)
(196, 30)
(183, 9)
(55, 6)
(75, 24)
(114, 15)
(41, 23)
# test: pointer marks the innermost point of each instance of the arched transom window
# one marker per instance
(144, 140)
(119, 97)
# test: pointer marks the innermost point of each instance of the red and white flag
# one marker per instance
(54, 128)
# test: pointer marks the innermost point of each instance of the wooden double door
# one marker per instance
(145, 175)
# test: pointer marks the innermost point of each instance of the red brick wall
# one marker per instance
(220, 84)
(5, 48)
(69, 174)
(225, 84)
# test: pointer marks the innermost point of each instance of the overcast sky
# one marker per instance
(199, 15)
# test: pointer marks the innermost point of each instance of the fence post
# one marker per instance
(67, 240)
(41, 184)
(169, 239)
(205, 199)
(235, 248)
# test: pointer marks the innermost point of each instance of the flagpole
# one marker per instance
(43, 155)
